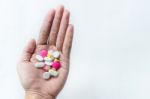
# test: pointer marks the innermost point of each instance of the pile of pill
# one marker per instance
(48, 60)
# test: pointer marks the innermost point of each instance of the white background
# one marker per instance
(111, 50)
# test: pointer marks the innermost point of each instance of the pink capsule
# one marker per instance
(56, 65)
(43, 53)
(46, 68)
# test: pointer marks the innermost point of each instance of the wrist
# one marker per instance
(37, 95)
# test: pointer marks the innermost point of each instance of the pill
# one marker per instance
(48, 63)
(53, 72)
(43, 53)
(56, 54)
(49, 55)
(39, 64)
(46, 75)
(39, 58)
(46, 68)
(56, 60)
(56, 65)
(50, 51)
(48, 59)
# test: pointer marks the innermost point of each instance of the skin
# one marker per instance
(57, 34)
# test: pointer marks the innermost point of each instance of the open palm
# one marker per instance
(56, 33)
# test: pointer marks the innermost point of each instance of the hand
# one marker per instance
(56, 33)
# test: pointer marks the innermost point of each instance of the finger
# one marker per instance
(45, 29)
(28, 50)
(68, 41)
(62, 30)
(55, 25)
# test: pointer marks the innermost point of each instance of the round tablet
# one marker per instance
(43, 53)
(56, 54)
(56, 65)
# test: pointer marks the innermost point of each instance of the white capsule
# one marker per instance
(56, 54)
(39, 58)
(48, 59)
(39, 64)
(53, 73)
(46, 75)
(48, 63)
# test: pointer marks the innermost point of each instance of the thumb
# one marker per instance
(28, 50)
